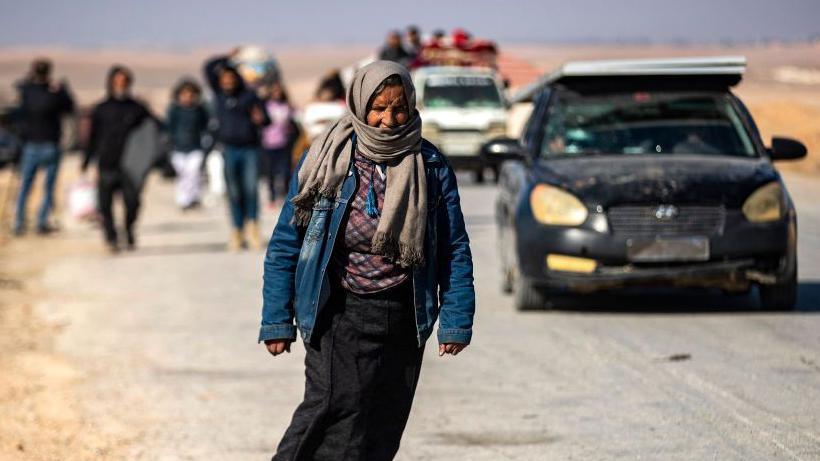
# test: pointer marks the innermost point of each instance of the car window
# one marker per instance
(644, 123)
(445, 91)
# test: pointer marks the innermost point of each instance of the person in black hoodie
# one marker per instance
(240, 114)
(42, 106)
(112, 120)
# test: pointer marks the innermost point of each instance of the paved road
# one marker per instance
(166, 339)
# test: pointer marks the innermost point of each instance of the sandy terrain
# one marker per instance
(43, 417)
(782, 87)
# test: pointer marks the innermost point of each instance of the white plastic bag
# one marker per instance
(215, 166)
(82, 199)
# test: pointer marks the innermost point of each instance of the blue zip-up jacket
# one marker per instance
(296, 283)
(186, 125)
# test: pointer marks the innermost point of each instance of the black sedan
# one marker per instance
(651, 179)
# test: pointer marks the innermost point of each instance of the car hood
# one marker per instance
(681, 179)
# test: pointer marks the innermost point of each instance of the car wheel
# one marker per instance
(528, 297)
(780, 296)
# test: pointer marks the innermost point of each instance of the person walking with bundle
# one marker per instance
(277, 140)
(112, 121)
(240, 115)
(187, 122)
(369, 242)
(43, 103)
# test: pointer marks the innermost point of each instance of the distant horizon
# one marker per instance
(144, 47)
(189, 25)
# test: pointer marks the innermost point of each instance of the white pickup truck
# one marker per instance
(461, 108)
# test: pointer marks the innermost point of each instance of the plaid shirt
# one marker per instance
(359, 270)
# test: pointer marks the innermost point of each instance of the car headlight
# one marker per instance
(551, 205)
(766, 204)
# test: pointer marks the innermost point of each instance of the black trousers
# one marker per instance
(275, 163)
(111, 181)
(362, 367)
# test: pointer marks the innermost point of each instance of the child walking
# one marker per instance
(187, 122)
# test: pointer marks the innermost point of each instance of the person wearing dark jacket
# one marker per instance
(42, 106)
(112, 120)
(187, 122)
(393, 50)
(240, 114)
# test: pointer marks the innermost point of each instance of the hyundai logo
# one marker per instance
(665, 212)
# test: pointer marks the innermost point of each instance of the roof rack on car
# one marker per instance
(698, 66)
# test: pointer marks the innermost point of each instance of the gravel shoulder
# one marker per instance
(44, 417)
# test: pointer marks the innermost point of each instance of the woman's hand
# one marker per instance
(278, 346)
(450, 348)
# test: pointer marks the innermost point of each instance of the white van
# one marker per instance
(461, 108)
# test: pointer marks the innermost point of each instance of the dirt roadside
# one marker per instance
(43, 418)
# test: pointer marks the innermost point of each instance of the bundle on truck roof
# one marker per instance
(460, 49)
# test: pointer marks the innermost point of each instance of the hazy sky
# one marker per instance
(186, 24)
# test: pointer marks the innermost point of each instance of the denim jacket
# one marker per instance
(296, 283)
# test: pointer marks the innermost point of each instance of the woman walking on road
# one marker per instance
(187, 121)
(370, 240)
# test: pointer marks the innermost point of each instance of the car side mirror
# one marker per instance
(786, 149)
(504, 148)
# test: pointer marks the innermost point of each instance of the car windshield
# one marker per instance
(644, 123)
(443, 91)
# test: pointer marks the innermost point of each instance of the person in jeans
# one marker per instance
(42, 106)
(240, 114)
(277, 139)
(112, 120)
(187, 121)
(371, 239)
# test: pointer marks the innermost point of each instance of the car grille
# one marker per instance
(457, 142)
(643, 221)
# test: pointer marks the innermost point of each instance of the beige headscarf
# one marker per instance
(400, 232)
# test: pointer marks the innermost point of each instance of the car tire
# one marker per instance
(781, 296)
(502, 247)
(528, 297)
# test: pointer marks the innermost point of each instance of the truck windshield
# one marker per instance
(636, 123)
(461, 92)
